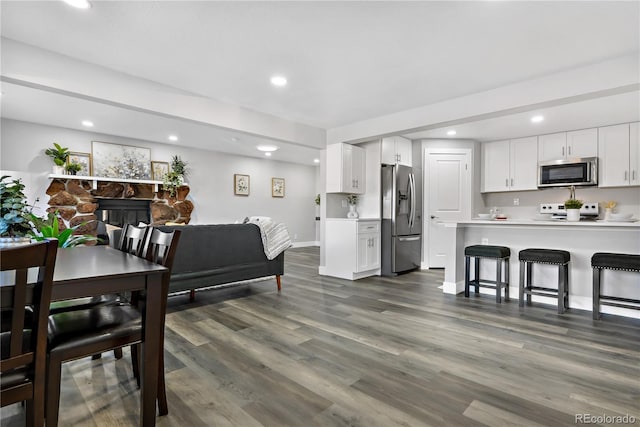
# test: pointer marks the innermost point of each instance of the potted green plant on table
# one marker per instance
(175, 178)
(14, 213)
(59, 156)
(352, 200)
(49, 227)
(572, 207)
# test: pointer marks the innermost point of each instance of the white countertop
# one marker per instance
(555, 223)
(353, 219)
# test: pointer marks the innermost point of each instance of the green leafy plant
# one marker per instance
(318, 200)
(179, 166)
(171, 182)
(59, 154)
(14, 210)
(47, 228)
(73, 168)
(573, 204)
(352, 199)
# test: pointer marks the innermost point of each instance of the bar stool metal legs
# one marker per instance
(612, 261)
(544, 256)
(500, 254)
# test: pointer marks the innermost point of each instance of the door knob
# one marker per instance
(433, 217)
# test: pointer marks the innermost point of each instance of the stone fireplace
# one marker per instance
(84, 201)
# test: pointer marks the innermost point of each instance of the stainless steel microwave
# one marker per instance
(562, 173)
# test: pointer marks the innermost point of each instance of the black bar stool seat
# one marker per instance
(531, 256)
(499, 253)
(612, 261)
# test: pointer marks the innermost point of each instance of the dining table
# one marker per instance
(87, 271)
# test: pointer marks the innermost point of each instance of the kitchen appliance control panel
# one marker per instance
(587, 209)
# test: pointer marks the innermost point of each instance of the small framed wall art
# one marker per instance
(277, 187)
(159, 170)
(82, 159)
(240, 184)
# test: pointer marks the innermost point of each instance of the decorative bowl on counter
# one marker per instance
(485, 216)
(620, 216)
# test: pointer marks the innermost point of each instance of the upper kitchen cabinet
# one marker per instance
(619, 148)
(345, 169)
(567, 145)
(396, 150)
(510, 165)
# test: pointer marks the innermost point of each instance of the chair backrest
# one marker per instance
(160, 247)
(25, 345)
(132, 239)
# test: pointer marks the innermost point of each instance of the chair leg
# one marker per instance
(278, 282)
(506, 281)
(566, 287)
(117, 353)
(54, 374)
(521, 285)
(596, 293)
(476, 262)
(467, 262)
(498, 280)
(135, 362)
(529, 282)
(163, 408)
(561, 285)
(192, 295)
(96, 356)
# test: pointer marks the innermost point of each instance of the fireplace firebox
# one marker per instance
(123, 211)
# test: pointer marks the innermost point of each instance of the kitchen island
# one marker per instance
(582, 239)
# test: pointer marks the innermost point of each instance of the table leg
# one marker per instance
(150, 354)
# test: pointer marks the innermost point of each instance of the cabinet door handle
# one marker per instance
(569, 148)
(633, 174)
(512, 182)
(506, 182)
(399, 157)
(562, 151)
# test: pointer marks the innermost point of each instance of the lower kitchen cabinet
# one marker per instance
(352, 248)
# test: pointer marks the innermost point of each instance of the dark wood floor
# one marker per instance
(374, 352)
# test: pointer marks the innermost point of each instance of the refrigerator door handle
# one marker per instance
(412, 213)
(409, 239)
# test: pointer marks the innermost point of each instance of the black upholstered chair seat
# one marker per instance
(612, 261)
(82, 327)
(545, 256)
(487, 251)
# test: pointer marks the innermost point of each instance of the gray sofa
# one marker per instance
(218, 254)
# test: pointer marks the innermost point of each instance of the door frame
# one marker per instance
(425, 193)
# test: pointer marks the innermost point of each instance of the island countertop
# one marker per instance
(542, 222)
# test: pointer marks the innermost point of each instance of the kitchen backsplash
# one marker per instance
(627, 199)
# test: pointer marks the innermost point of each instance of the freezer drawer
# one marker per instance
(406, 250)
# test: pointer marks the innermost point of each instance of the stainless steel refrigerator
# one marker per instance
(401, 220)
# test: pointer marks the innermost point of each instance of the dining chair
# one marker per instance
(132, 240)
(23, 346)
(81, 333)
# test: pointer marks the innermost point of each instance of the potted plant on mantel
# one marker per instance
(572, 207)
(73, 168)
(14, 213)
(59, 156)
(175, 178)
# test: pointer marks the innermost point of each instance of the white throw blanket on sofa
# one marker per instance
(275, 236)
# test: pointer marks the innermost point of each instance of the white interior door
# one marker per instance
(448, 197)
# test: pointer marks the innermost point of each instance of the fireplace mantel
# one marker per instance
(95, 179)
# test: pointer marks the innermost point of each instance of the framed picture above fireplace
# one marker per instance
(120, 161)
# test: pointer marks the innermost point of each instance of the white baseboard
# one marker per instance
(452, 288)
(305, 244)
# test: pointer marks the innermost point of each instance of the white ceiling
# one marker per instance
(345, 61)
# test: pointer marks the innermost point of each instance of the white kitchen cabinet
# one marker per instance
(352, 248)
(345, 169)
(568, 145)
(510, 165)
(619, 159)
(396, 150)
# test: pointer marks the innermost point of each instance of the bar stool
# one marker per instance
(528, 257)
(624, 262)
(500, 254)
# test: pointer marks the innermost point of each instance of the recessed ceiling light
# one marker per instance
(267, 147)
(80, 4)
(87, 123)
(268, 154)
(279, 81)
(316, 160)
(234, 139)
(537, 119)
(451, 132)
(173, 138)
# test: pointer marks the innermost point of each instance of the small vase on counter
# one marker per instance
(607, 214)
(573, 215)
(353, 213)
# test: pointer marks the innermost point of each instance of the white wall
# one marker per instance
(210, 178)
